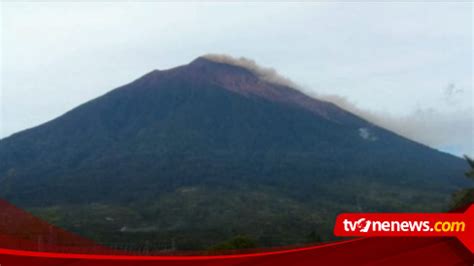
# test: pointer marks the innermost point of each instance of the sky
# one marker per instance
(405, 66)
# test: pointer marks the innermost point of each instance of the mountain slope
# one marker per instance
(219, 138)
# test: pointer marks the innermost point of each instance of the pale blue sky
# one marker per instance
(408, 65)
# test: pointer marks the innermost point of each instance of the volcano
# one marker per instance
(211, 150)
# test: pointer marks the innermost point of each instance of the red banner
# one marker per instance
(460, 225)
(26, 240)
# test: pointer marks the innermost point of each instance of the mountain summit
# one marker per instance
(245, 77)
(214, 149)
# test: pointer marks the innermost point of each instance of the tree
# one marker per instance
(470, 173)
(465, 196)
(237, 243)
(313, 237)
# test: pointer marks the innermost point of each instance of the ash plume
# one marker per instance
(265, 73)
(427, 126)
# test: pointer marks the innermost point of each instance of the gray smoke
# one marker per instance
(265, 73)
(447, 130)
(428, 126)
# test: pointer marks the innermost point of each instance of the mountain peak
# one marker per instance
(222, 59)
(210, 66)
(245, 77)
(243, 63)
(240, 75)
(201, 61)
